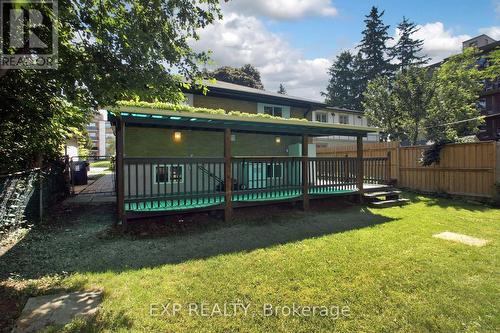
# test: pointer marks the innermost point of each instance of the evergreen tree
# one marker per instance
(282, 89)
(373, 49)
(407, 49)
(343, 87)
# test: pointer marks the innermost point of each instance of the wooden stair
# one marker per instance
(391, 197)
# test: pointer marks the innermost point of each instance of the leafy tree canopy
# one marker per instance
(109, 50)
(380, 110)
(453, 111)
(247, 75)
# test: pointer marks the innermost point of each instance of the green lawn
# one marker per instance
(382, 264)
(100, 164)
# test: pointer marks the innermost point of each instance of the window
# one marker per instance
(92, 134)
(176, 173)
(321, 117)
(274, 171)
(343, 119)
(276, 111)
(169, 174)
(161, 174)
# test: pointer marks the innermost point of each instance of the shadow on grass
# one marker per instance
(80, 240)
(444, 200)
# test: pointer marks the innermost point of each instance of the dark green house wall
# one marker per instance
(158, 142)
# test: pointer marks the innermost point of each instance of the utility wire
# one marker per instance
(457, 122)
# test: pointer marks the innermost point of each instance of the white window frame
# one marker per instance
(345, 116)
(321, 113)
(285, 110)
(169, 173)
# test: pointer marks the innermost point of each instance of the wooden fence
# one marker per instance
(470, 169)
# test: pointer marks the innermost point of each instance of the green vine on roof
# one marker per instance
(192, 109)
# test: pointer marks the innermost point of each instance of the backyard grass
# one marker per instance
(383, 265)
(101, 164)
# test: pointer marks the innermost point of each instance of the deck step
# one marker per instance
(390, 203)
(382, 194)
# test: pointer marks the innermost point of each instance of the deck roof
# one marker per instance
(156, 117)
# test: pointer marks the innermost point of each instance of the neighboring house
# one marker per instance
(230, 96)
(489, 101)
(335, 115)
(172, 159)
(101, 135)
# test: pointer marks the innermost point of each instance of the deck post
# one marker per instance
(228, 177)
(119, 171)
(359, 164)
(388, 168)
(305, 172)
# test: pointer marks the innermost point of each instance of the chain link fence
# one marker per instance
(24, 196)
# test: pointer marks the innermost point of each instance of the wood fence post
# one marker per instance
(305, 172)
(119, 170)
(388, 167)
(228, 177)
(40, 203)
(359, 162)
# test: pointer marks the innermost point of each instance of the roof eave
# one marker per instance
(148, 116)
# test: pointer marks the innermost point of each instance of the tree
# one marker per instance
(399, 106)
(453, 111)
(492, 71)
(282, 89)
(246, 76)
(108, 50)
(407, 49)
(253, 73)
(373, 47)
(378, 103)
(343, 87)
(412, 94)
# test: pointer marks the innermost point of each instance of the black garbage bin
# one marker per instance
(80, 173)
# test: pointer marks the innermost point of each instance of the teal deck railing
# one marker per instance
(178, 183)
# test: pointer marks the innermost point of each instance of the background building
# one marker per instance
(101, 134)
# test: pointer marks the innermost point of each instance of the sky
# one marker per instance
(294, 42)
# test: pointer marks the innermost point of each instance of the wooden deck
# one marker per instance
(164, 186)
(217, 202)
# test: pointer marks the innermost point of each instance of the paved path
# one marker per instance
(100, 190)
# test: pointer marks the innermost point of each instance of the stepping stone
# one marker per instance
(42, 311)
(464, 239)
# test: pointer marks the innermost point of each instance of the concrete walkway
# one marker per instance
(97, 191)
(42, 311)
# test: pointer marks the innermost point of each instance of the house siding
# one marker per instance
(158, 142)
(227, 104)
